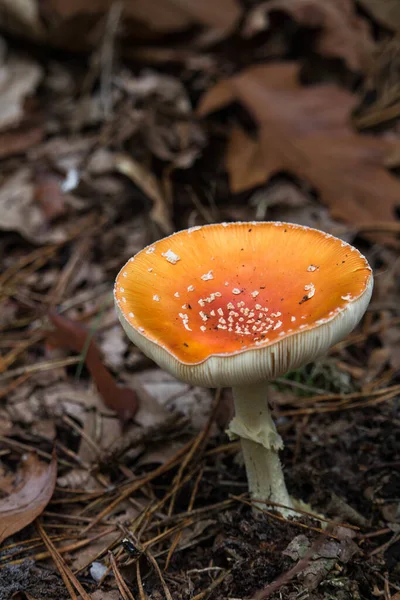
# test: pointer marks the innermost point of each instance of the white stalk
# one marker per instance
(260, 444)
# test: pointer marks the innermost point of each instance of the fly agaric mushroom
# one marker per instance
(238, 305)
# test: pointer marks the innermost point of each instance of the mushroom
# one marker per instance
(239, 304)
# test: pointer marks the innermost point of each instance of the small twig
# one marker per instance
(297, 523)
(144, 549)
(205, 570)
(136, 437)
(212, 586)
(72, 547)
(136, 485)
(142, 595)
(395, 537)
(301, 386)
(178, 536)
(122, 587)
(82, 433)
(67, 575)
(27, 448)
(289, 575)
(196, 448)
(197, 512)
(41, 366)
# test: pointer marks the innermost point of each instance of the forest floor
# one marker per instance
(119, 124)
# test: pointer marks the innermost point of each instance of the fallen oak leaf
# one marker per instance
(385, 12)
(30, 496)
(76, 337)
(306, 131)
(342, 32)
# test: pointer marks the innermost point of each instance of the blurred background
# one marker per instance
(122, 122)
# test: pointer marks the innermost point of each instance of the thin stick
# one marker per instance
(41, 366)
(67, 575)
(295, 570)
(136, 485)
(211, 587)
(122, 587)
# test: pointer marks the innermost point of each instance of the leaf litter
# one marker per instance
(306, 131)
(32, 492)
(104, 152)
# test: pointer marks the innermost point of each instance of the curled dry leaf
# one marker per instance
(343, 33)
(75, 24)
(306, 131)
(29, 497)
(74, 336)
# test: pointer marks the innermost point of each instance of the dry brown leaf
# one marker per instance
(19, 78)
(21, 17)
(49, 196)
(147, 182)
(166, 16)
(76, 24)
(30, 496)
(343, 33)
(306, 131)
(20, 212)
(386, 12)
(74, 336)
(17, 141)
(158, 15)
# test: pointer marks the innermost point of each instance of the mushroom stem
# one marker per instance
(260, 444)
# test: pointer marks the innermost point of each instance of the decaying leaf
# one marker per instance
(18, 140)
(19, 78)
(49, 196)
(343, 33)
(29, 497)
(20, 212)
(306, 131)
(160, 15)
(74, 336)
(323, 561)
(75, 24)
(147, 182)
(386, 12)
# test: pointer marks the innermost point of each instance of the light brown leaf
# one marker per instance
(20, 212)
(306, 131)
(158, 15)
(30, 496)
(19, 78)
(343, 33)
(75, 24)
(74, 336)
(386, 12)
(49, 196)
(18, 140)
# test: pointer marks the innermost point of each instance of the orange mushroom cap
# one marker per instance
(229, 304)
